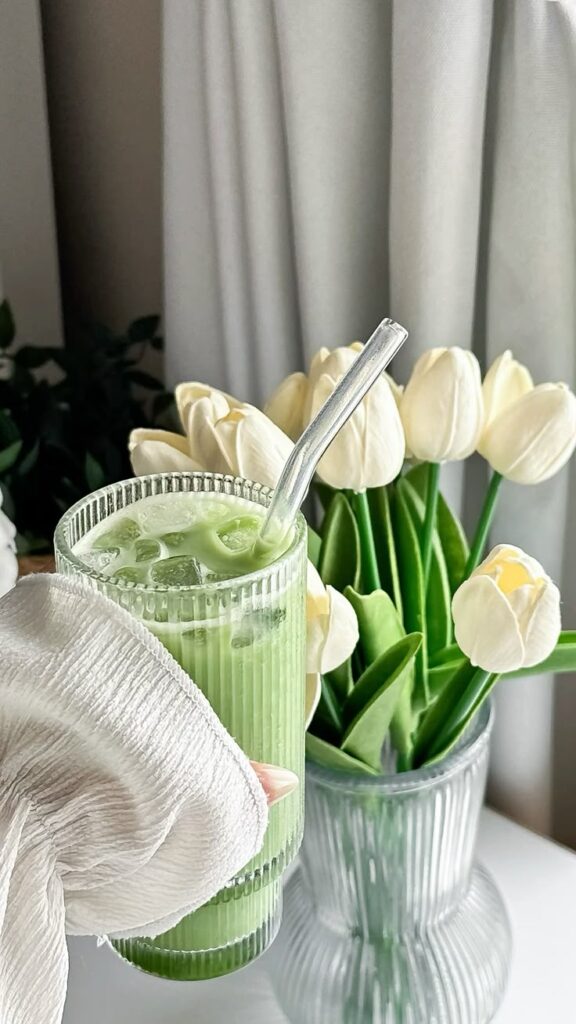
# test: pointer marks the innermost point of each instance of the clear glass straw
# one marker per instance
(297, 474)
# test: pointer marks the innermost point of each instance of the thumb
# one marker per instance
(276, 782)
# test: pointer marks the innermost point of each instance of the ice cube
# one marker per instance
(123, 532)
(177, 571)
(159, 516)
(130, 574)
(239, 533)
(177, 541)
(146, 549)
(101, 560)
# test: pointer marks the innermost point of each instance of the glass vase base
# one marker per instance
(452, 971)
(217, 939)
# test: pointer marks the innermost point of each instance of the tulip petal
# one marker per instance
(140, 434)
(204, 438)
(256, 448)
(506, 381)
(159, 457)
(285, 407)
(313, 693)
(485, 626)
(544, 626)
(189, 392)
(533, 438)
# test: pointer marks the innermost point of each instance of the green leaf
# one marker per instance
(29, 460)
(562, 659)
(339, 559)
(144, 328)
(32, 356)
(314, 545)
(369, 709)
(450, 653)
(438, 596)
(379, 502)
(7, 325)
(145, 380)
(94, 473)
(341, 680)
(440, 675)
(9, 455)
(443, 724)
(8, 430)
(378, 622)
(412, 583)
(452, 536)
(328, 756)
(325, 494)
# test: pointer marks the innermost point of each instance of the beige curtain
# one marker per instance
(328, 162)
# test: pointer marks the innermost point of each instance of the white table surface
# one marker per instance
(536, 877)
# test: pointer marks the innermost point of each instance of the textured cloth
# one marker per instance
(124, 803)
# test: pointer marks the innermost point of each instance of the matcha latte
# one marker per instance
(178, 551)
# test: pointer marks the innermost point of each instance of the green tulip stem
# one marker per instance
(430, 517)
(484, 523)
(370, 573)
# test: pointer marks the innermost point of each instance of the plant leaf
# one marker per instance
(378, 622)
(328, 756)
(325, 494)
(144, 328)
(95, 475)
(9, 455)
(32, 356)
(145, 380)
(439, 676)
(562, 659)
(452, 537)
(341, 680)
(368, 711)
(339, 559)
(438, 596)
(7, 325)
(412, 583)
(379, 503)
(444, 722)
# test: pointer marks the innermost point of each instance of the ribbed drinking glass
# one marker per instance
(388, 919)
(242, 641)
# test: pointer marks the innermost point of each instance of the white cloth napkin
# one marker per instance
(124, 803)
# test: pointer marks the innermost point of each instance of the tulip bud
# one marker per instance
(223, 436)
(285, 407)
(507, 614)
(332, 626)
(368, 451)
(441, 407)
(8, 561)
(529, 432)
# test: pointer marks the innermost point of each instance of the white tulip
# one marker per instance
(529, 432)
(369, 449)
(285, 407)
(332, 626)
(507, 614)
(223, 435)
(441, 407)
(8, 561)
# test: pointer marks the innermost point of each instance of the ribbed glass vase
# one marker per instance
(388, 920)
(242, 641)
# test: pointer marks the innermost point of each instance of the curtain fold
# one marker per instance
(328, 163)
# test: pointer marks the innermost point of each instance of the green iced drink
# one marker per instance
(177, 551)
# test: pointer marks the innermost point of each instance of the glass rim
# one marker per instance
(64, 550)
(417, 778)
